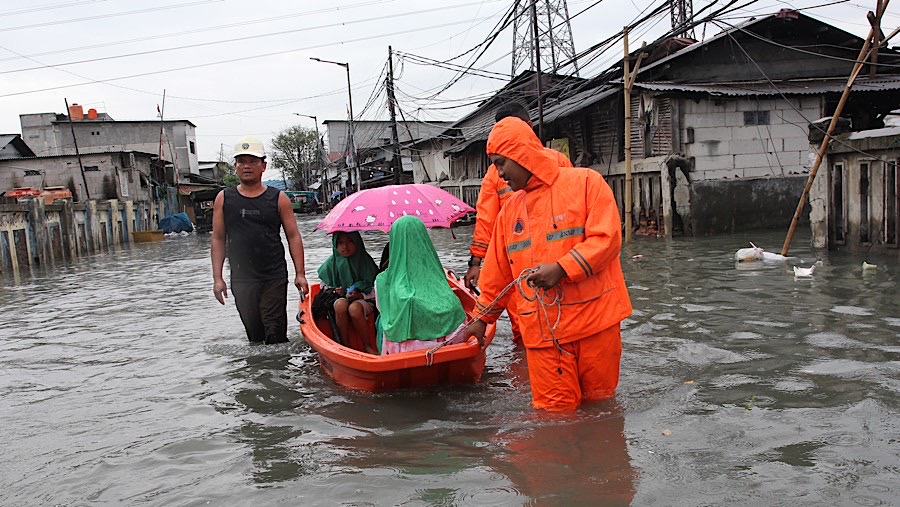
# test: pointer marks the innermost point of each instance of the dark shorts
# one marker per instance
(263, 309)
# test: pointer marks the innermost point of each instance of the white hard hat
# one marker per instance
(249, 145)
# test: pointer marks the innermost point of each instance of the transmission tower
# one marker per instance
(554, 36)
(682, 12)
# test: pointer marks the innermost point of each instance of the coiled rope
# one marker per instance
(523, 286)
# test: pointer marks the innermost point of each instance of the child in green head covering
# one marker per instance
(352, 270)
(418, 308)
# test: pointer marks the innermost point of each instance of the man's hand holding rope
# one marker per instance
(477, 329)
(546, 275)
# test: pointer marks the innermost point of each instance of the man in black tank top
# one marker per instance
(247, 223)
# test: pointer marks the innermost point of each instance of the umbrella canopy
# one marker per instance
(377, 208)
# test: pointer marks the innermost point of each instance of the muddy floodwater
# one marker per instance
(123, 382)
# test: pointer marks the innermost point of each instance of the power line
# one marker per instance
(235, 39)
(104, 16)
(232, 60)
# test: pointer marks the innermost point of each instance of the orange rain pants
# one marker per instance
(587, 370)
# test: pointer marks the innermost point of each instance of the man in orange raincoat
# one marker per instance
(492, 196)
(564, 233)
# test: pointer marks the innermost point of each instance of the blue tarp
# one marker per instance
(176, 223)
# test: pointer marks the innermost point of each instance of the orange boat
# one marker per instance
(459, 363)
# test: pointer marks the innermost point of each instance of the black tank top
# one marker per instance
(253, 232)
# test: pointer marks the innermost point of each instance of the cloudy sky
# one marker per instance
(237, 67)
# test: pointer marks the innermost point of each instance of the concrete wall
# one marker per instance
(724, 147)
(869, 213)
(723, 206)
(103, 172)
(47, 136)
(429, 162)
(40, 133)
(32, 233)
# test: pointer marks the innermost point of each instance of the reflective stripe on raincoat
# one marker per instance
(564, 215)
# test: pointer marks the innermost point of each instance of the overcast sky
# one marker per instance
(237, 67)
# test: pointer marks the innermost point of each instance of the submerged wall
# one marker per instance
(33, 233)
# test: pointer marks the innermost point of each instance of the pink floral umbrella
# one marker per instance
(377, 208)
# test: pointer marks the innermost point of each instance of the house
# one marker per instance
(855, 196)
(213, 170)
(12, 146)
(719, 127)
(374, 149)
(52, 134)
(120, 175)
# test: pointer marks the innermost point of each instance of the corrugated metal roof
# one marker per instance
(99, 152)
(795, 87)
(479, 135)
(552, 112)
(576, 102)
(866, 134)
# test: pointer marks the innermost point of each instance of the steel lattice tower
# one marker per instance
(554, 36)
(682, 12)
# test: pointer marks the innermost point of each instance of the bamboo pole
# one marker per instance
(860, 61)
(628, 179)
(628, 80)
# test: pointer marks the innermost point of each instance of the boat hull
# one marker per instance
(461, 363)
(148, 236)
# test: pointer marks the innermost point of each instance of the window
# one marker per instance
(191, 143)
(756, 117)
(91, 168)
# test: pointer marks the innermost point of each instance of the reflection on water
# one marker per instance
(122, 381)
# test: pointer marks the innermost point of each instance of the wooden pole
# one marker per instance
(628, 182)
(860, 60)
(87, 193)
(628, 80)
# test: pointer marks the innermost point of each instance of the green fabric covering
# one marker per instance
(413, 296)
(359, 269)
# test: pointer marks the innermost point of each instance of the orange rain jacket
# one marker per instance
(564, 215)
(493, 195)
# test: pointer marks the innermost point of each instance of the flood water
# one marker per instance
(123, 382)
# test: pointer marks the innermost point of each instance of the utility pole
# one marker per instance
(396, 163)
(319, 150)
(629, 77)
(87, 193)
(537, 66)
(352, 147)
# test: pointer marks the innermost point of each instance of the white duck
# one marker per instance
(804, 272)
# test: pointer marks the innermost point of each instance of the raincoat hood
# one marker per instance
(414, 299)
(359, 269)
(515, 140)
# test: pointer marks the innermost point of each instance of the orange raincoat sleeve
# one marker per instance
(486, 210)
(602, 234)
(496, 275)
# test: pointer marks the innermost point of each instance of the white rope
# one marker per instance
(520, 282)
